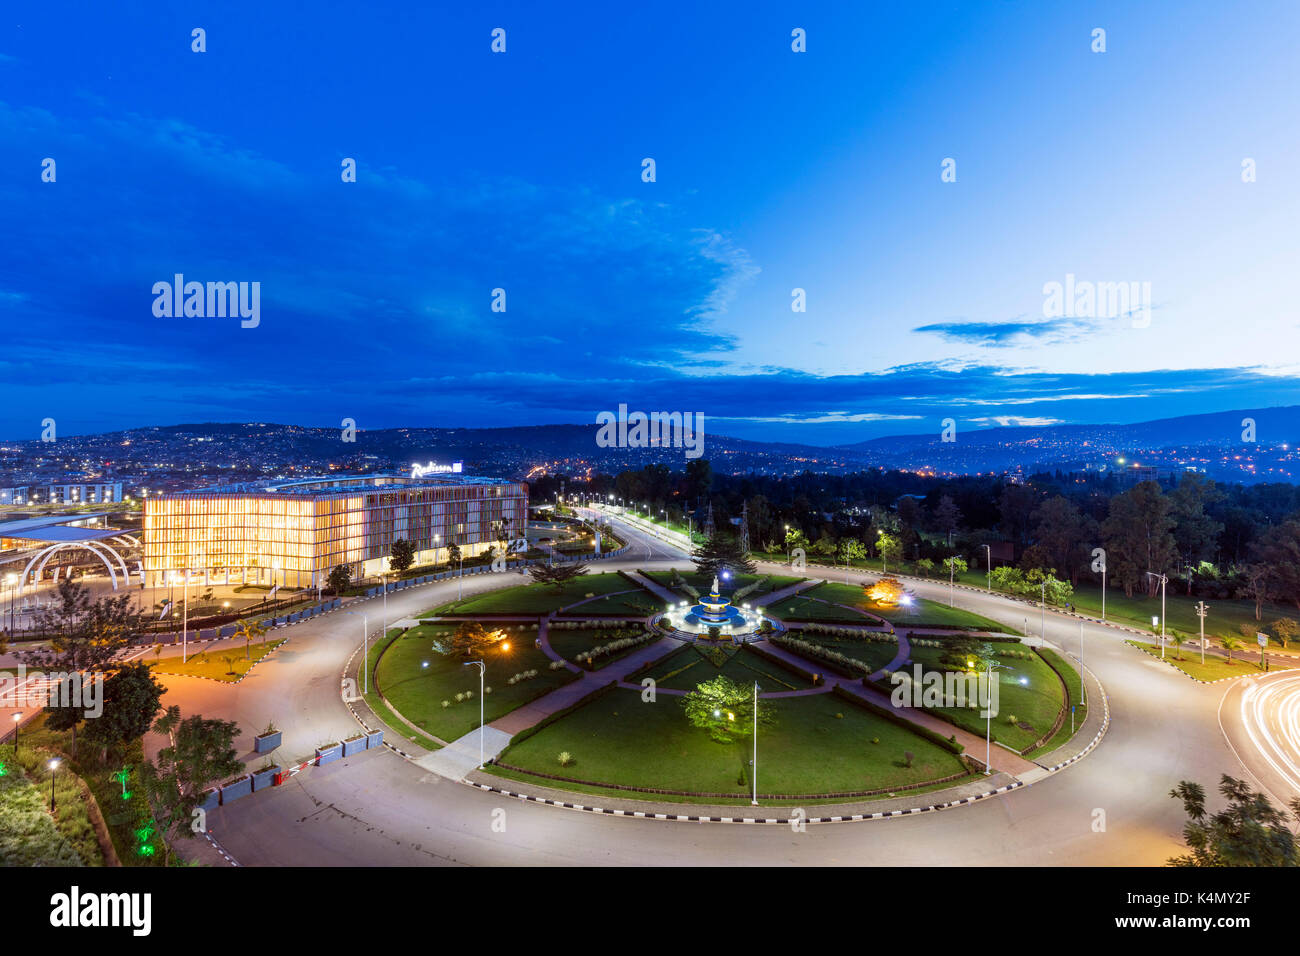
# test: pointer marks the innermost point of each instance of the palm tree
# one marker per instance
(1179, 639)
(249, 630)
(1230, 644)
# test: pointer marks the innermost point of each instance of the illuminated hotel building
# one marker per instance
(294, 532)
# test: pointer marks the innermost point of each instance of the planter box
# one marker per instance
(210, 799)
(265, 778)
(376, 739)
(265, 743)
(328, 753)
(233, 791)
(354, 745)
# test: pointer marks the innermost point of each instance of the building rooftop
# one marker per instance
(340, 484)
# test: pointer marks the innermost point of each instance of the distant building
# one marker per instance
(294, 532)
(66, 493)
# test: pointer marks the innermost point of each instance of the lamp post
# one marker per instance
(1103, 592)
(365, 653)
(460, 579)
(1163, 581)
(952, 574)
(17, 717)
(11, 579)
(54, 765)
(1201, 610)
(753, 777)
(988, 714)
(988, 563)
(481, 671)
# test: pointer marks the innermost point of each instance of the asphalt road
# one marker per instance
(1111, 808)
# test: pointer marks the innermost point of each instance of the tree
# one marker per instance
(250, 631)
(794, 538)
(889, 547)
(1279, 549)
(851, 550)
(1179, 639)
(1196, 534)
(887, 591)
(339, 579)
(955, 565)
(86, 635)
(725, 709)
(403, 555)
(132, 698)
(1230, 644)
(453, 553)
(471, 639)
(557, 576)
(1062, 536)
(201, 752)
(1284, 630)
(698, 479)
(1016, 507)
(1257, 578)
(721, 552)
(1137, 536)
(1249, 831)
(947, 517)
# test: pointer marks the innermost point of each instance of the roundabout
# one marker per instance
(386, 807)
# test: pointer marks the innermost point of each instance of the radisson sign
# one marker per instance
(420, 471)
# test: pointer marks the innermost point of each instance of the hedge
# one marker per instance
(816, 679)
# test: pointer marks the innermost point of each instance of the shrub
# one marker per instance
(565, 758)
(446, 703)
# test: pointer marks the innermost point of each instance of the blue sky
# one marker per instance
(775, 170)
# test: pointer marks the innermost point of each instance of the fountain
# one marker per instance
(715, 611)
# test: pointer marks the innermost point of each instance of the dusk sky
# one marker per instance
(776, 170)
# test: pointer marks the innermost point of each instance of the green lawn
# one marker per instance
(127, 820)
(1214, 668)
(691, 666)
(809, 749)
(213, 663)
(920, 613)
(1036, 702)
(29, 835)
(1074, 698)
(569, 644)
(382, 709)
(416, 679)
(538, 599)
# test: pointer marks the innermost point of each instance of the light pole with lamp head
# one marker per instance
(1163, 581)
(17, 718)
(54, 765)
(988, 563)
(1202, 609)
(991, 666)
(753, 776)
(481, 671)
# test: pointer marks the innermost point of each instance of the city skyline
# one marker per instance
(797, 181)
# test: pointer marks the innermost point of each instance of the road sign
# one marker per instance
(1262, 639)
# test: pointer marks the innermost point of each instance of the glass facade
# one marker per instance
(294, 533)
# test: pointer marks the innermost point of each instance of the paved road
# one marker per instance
(377, 809)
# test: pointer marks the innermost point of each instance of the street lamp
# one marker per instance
(1201, 610)
(952, 574)
(481, 671)
(365, 653)
(17, 718)
(988, 563)
(54, 765)
(753, 776)
(988, 714)
(1163, 581)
